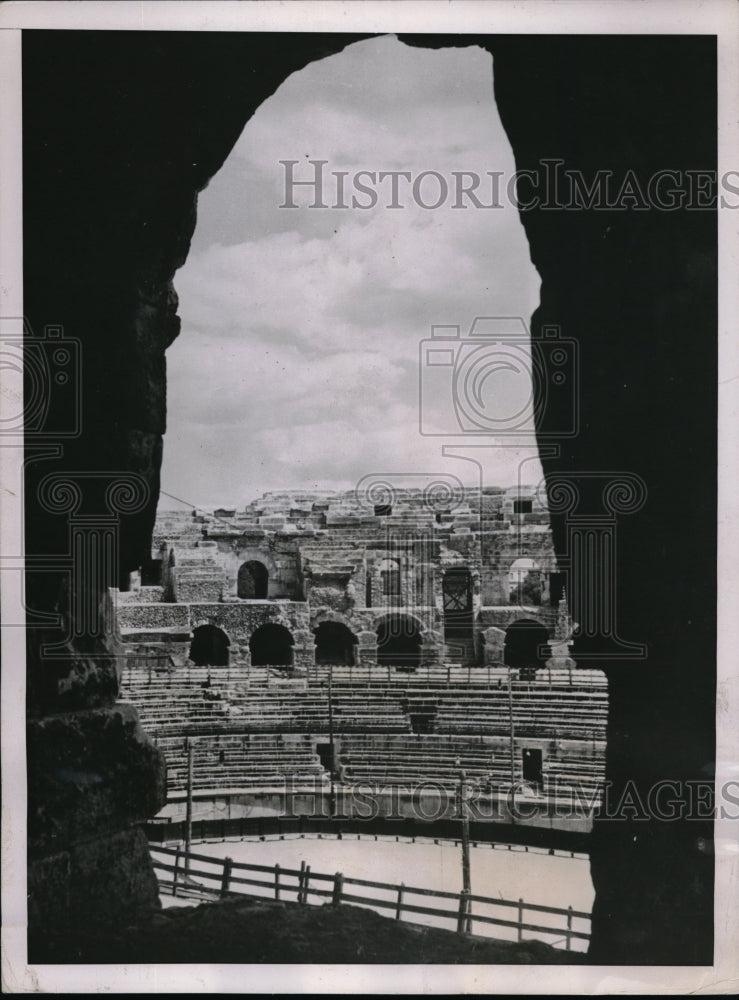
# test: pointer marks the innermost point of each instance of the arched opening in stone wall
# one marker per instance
(271, 645)
(209, 646)
(398, 642)
(526, 644)
(525, 583)
(252, 581)
(390, 577)
(272, 241)
(335, 644)
(457, 595)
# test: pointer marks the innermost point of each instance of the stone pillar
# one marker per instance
(304, 651)
(493, 646)
(432, 645)
(560, 658)
(366, 649)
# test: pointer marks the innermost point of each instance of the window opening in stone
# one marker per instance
(390, 577)
(253, 581)
(525, 583)
(458, 617)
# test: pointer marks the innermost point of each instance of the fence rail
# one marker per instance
(220, 879)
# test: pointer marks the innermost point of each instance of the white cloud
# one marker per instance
(298, 357)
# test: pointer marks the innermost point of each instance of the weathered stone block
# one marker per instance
(89, 773)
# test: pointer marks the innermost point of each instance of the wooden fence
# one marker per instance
(223, 876)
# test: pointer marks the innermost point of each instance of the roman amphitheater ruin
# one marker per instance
(438, 618)
(121, 131)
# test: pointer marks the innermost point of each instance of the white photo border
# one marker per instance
(714, 17)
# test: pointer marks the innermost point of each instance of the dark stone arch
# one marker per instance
(335, 644)
(108, 222)
(209, 646)
(399, 642)
(526, 644)
(253, 580)
(271, 645)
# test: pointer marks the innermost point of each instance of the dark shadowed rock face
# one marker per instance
(115, 152)
(246, 932)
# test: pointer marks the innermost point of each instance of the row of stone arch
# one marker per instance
(399, 643)
(525, 583)
(398, 640)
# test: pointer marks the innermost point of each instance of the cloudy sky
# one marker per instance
(298, 361)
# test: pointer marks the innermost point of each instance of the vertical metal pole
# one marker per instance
(520, 919)
(331, 749)
(188, 807)
(466, 886)
(510, 728)
(569, 927)
(277, 881)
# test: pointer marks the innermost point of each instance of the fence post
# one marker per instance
(306, 880)
(569, 927)
(338, 887)
(301, 882)
(226, 877)
(399, 904)
(176, 870)
(277, 881)
(520, 919)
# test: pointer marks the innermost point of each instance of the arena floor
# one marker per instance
(513, 872)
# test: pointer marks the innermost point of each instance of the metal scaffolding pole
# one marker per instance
(188, 806)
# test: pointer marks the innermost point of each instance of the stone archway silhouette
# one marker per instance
(123, 130)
